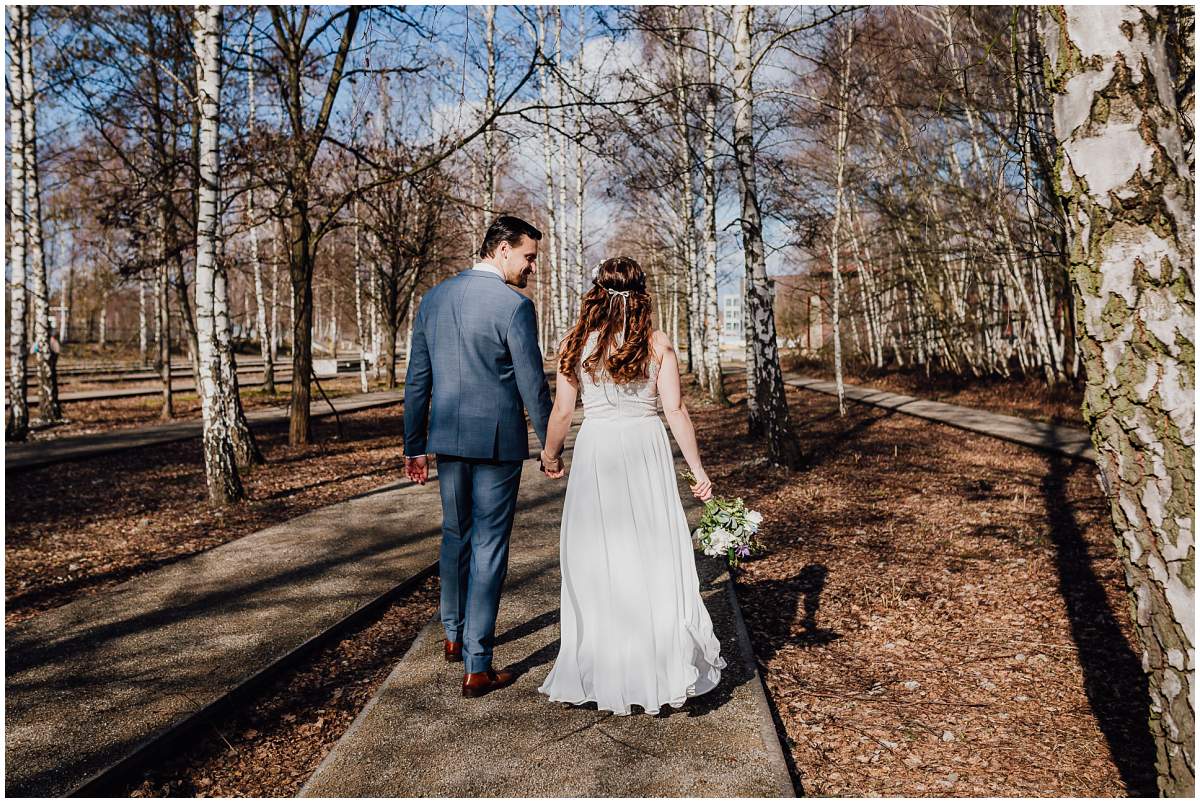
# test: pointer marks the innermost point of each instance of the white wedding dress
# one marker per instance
(634, 627)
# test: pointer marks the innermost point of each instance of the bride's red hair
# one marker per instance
(600, 311)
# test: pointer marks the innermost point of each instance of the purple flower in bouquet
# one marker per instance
(743, 551)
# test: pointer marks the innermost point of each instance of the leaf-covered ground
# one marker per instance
(939, 613)
(1028, 397)
(83, 527)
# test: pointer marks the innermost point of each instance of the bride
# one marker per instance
(634, 627)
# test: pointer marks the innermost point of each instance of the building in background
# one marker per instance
(732, 332)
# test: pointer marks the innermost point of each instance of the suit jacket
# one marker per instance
(474, 365)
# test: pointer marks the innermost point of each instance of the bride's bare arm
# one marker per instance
(565, 394)
(671, 394)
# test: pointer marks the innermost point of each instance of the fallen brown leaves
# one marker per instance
(939, 613)
(1028, 397)
(83, 527)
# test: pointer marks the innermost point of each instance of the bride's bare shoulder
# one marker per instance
(661, 345)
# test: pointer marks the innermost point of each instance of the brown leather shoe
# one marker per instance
(453, 650)
(477, 684)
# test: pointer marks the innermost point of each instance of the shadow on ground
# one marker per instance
(1114, 682)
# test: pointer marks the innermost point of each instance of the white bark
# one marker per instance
(772, 411)
(224, 484)
(557, 316)
(579, 172)
(143, 327)
(846, 36)
(489, 107)
(163, 325)
(48, 406)
(265, 336)
(103, 319)
(358, 306)
(1124, 175)
(17, 422)
(712, 334)
(569, 304)
(683, 166)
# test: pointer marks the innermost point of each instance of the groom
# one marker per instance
(475, 361)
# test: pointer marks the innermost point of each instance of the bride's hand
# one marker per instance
(552, 467)
(702, 487)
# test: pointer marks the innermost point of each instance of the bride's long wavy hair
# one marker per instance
(623, 347)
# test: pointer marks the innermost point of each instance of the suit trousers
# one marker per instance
(479, 501)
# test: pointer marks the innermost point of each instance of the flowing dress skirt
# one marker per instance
(634, 627)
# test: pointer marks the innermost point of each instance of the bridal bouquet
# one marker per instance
(727, 528)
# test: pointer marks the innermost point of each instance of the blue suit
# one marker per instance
(474, 368)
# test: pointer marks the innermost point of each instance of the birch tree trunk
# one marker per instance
(64, 313)
(683, 165)
(154, 297)
(358, 307)
(1124, 178)
(333, 317)
(143, 323)
(712, 335)
(579, 172)
(48, 406)
(103, 317)
(489, 133)
(843, 134)
(220, 462)
(568, 302)
(772, 419)
(553, 246)
(274, 304)
(16, 425)
(260, 297)
(164, 320)
(245, 450)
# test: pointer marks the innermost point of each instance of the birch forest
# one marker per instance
(959, 193)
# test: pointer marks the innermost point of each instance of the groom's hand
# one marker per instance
(417, 469)
(552, 467)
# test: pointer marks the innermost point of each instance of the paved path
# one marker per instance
(78, 447)
(1069, 441)
(418, 737)
(91, 683)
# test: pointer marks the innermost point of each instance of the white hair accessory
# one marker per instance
(612, 297)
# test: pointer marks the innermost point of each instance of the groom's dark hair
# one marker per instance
(508, 229)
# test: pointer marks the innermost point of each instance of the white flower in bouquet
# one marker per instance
(727, 528)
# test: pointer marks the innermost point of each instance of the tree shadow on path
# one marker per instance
(1113, 679)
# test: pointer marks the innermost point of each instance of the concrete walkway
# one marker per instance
(79, 447)
(1070, 441)
(92, 683)
(418, 737)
